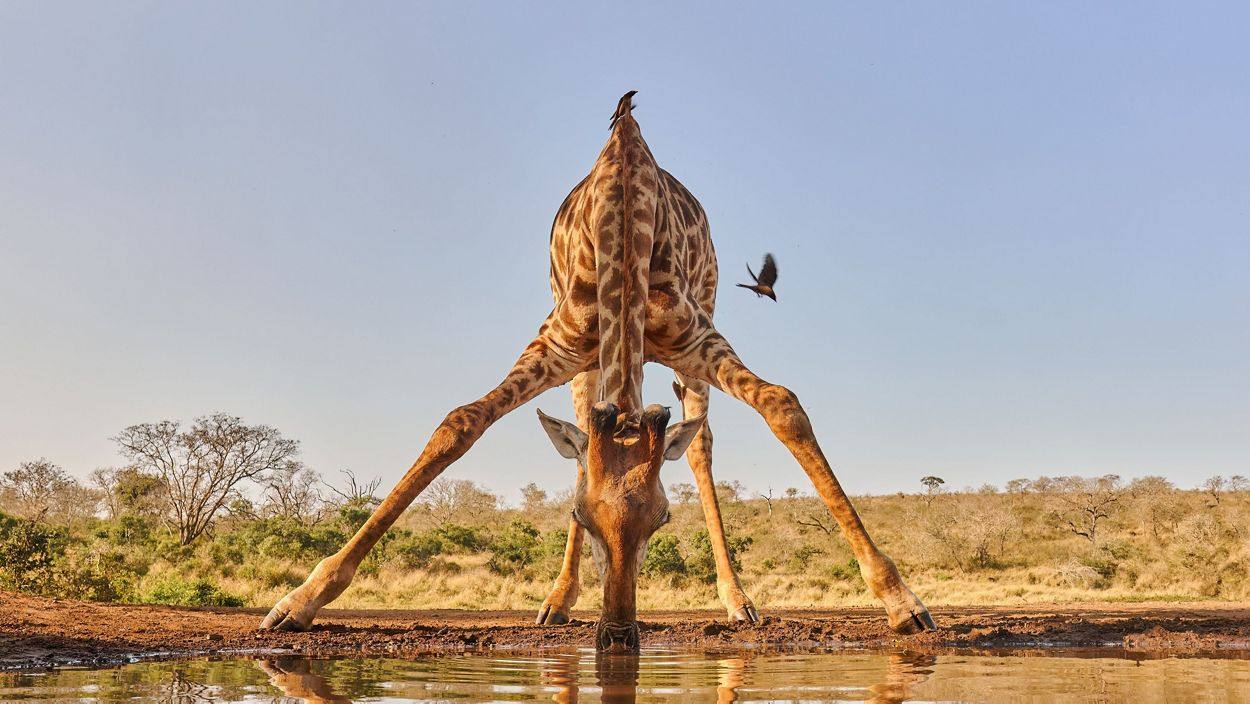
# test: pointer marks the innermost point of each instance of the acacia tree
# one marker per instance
(202, 465)
(932, 488)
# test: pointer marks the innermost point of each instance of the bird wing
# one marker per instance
(752, 273)
(768, 274)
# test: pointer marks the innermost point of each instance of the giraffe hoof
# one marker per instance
(549, 616)
(747, 614)
(916, 622)
(279, 619)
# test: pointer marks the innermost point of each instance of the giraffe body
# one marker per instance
(633, 277)
(633, 270)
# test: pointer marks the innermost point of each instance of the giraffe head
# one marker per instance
(619, 500)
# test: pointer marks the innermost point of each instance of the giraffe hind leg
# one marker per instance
(693, 394)
(542, 365)
(556, 607)
(714, 361)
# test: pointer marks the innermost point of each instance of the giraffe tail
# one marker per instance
(623, 108)
(626, 179)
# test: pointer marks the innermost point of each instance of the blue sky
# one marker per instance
(1013, 238)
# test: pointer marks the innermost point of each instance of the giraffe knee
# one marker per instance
(785, 415)
(460, 429)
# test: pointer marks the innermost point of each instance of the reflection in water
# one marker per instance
(653, 675)
(296, 679)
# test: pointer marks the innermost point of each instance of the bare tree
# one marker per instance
(1087, 502)
(813, 519)
(202, 465)
(1214, 486)
(455, 501)
(768, 501)
(1156, 499)
(39, 489)
(356, 493)
(291, 493)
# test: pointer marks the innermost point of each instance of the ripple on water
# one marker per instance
(656, 675)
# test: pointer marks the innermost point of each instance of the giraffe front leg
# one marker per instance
(556, 607)
(714, 361)
(693, 394)
(541, 366)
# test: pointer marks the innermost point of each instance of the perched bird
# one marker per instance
(766, 280)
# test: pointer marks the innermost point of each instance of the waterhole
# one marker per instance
(655, 675)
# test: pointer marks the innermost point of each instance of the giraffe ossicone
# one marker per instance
(633, 277)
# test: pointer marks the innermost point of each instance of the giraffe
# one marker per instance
(633, 277)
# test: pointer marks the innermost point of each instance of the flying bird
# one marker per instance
(766, 280)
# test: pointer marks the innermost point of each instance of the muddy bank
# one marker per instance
(37, 632)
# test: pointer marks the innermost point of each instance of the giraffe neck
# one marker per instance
(625, 181)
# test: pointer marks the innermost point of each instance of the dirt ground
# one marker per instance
(37, 632)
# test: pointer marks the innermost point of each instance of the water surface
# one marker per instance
(656, 675)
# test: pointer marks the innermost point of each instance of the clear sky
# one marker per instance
(1014, 238)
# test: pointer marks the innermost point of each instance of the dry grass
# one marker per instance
(955, 549)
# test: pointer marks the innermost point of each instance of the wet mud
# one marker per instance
(37, 632)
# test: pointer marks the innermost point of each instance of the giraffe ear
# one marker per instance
(680, 435)
(569, 440)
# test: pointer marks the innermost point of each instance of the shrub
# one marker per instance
(97, 576)
(459, 538)
(663, 557)
(416, 550)
(28, 554)
(846, 571)
(553, 542)
(514, 549)
(701, 563)
(802, 557)
(172, 589)
(130, 529)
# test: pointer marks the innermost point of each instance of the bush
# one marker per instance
(130, 529)
(461, 539)
(801, 560)
(846, 571)
(97, 577)
(172, 589)
(663, 557)
(416, 550)
(28, 555)
(514, 549)
(702, 562)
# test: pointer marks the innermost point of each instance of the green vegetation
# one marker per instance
(121, 538)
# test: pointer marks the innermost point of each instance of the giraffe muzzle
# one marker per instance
(617, 637)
